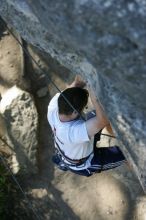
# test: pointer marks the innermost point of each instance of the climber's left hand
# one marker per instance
(78, 82)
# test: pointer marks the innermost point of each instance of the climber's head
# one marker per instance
(77, 96)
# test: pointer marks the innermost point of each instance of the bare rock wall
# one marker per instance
(20, 119)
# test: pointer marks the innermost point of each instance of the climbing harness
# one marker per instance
(80, 168)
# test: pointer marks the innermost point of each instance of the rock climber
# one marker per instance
(75, 138)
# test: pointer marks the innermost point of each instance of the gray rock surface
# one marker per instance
(105, 42)
(21, 121)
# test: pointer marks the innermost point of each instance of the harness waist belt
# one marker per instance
(74, 161)
(80, 161)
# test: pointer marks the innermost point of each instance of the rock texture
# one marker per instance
(105, 42)
(21, 120)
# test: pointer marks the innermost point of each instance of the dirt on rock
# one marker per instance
(54, 194)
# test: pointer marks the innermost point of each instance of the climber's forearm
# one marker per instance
(100, 114)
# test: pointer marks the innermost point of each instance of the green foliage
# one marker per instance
(4, 192)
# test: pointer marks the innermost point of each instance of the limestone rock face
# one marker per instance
(21, 120)
(105, 42)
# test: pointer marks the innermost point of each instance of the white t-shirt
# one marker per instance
(71, 136)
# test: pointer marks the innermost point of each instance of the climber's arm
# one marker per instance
(94, 125)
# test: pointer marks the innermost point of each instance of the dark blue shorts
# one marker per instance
(104, 159)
